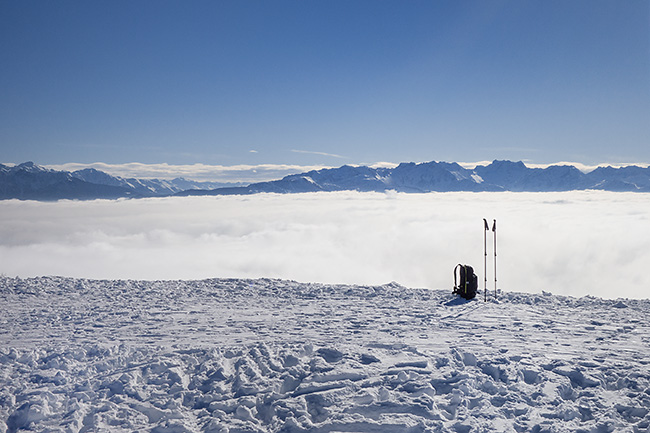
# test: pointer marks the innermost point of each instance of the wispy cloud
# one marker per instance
(516, 149)
(310, 152)
(574, 243)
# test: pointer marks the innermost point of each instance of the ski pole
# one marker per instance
(486, 227)
(494, 229)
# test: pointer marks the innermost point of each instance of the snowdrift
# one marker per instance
(281, 356)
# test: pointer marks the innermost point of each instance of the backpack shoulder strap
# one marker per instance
(455, 281)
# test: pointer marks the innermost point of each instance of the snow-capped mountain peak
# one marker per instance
(30, 181)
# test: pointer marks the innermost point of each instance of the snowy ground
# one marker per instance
(280, 356)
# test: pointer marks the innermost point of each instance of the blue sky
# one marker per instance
(324, 82)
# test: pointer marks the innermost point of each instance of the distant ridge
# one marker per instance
(444, 176)
(29, 181)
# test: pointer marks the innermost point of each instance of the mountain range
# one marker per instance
(29, 181)
(445, 176)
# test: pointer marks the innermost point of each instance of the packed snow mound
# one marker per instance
(281, 356)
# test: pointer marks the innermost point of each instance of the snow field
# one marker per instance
(281, 356)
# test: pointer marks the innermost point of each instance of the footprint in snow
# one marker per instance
(330, 355)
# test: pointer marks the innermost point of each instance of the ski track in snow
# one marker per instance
(231, 355)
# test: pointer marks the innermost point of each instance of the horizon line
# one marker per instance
(241, 173)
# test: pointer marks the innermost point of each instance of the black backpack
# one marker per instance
(468, 282)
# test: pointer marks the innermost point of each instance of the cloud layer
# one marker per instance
(198, 172)
(574, 243)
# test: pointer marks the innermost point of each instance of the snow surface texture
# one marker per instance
(280, 356)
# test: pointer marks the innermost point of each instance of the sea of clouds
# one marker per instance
(572, 243)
